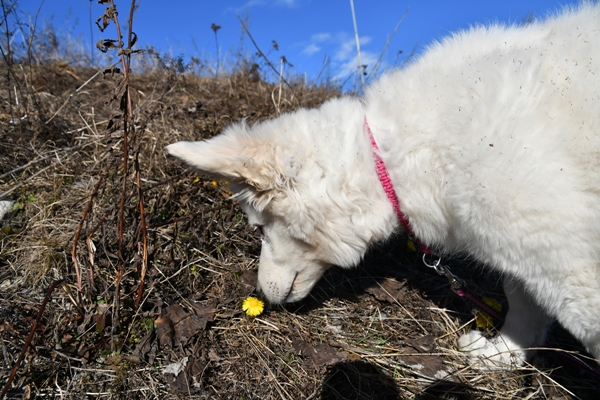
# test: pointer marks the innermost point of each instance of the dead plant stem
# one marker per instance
(144, 230)
(30, 337)
(88, 242)
(88, 207)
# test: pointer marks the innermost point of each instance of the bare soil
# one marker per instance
(384, 330)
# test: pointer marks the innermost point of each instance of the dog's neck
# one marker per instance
(388, 186)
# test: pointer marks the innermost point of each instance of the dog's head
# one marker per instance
(304, 198)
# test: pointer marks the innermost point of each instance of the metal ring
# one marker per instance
(435, 265)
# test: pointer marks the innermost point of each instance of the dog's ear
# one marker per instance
(239, 158)
(211, 157)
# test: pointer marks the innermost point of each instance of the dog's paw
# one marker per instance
(491, 354)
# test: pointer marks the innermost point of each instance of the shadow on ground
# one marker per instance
(359, 380)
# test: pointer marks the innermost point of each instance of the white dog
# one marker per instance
(492, 143)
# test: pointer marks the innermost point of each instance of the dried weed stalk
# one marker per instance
(130, 142)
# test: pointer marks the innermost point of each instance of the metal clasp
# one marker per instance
(443, 270)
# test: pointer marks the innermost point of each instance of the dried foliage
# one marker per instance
(385, 330)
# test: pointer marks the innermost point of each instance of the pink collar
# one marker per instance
(388, 187)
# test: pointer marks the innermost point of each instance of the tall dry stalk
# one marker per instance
(130, 143)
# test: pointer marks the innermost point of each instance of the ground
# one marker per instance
(153, 310)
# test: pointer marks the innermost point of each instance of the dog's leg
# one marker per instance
(579, 305)
(524, 327)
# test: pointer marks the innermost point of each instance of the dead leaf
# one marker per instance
(424, 344)
(165, 331)
(110, 13)
(213, 356)
(249, 278)
(206, 311)
(176, 367)
(145, 347)
(188, 376)
(425, 364)
(428, 365)
(112, 71)
(188, 328)
(322, 354)
(116, 361)
(175, 313)
(176, 326)
(301, 347)
(27, 392)
(389, 290)
(105, 44)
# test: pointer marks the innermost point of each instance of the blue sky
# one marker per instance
(316, 36)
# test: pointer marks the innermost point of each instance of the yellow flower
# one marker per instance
(253, 306)
(483, 319)
(493, 303)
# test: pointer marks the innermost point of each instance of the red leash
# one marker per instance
(388, 187)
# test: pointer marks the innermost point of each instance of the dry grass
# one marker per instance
(385, 330)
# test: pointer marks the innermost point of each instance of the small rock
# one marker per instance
(5, 207)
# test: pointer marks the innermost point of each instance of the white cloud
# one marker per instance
(265, 3)
(344, 61)
(347, 46)
(287, 3)
(242, 9)
(316, 43)
(311, 49)
(350, 66)
(321, 37)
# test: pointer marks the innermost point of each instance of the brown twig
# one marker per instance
(80, 227)
(128, 127)
(138, 173)
(144, 232)
(28, 341)
(88, 242)
(172, 249)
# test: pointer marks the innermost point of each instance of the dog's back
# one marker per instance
(499, 129)
(512, 113)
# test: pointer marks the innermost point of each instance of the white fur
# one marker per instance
(492, 141)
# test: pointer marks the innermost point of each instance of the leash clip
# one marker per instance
(443, 270)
